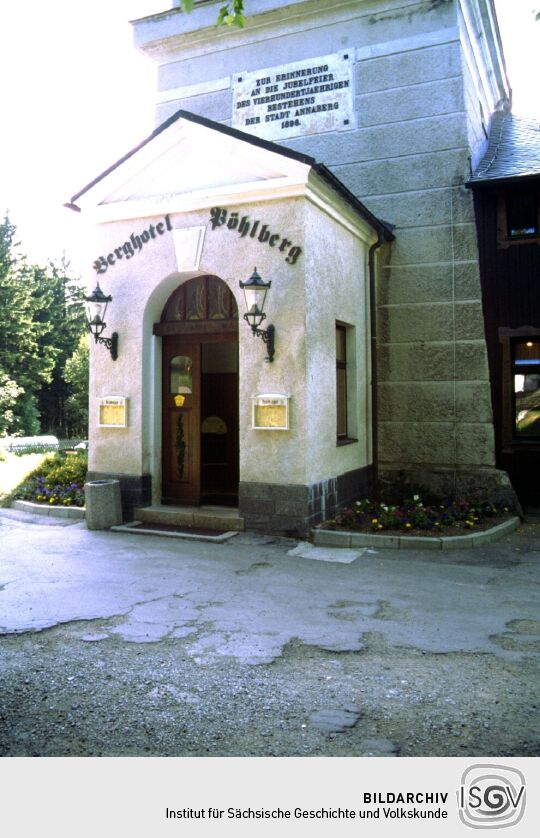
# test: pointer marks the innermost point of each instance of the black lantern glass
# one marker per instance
(255, 290)
(96, 307)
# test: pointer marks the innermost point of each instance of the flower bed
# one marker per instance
(58, 481)
(415, 517)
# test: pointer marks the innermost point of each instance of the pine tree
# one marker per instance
(66, 312)
(76, 375)
(42, 320)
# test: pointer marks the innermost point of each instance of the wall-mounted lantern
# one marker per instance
(96, 306)
(255, 290)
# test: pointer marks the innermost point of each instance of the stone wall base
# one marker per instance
(484, 484)
(135, 490)
(292, 510)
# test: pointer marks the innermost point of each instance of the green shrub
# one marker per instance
(65, 469)
(59, 480)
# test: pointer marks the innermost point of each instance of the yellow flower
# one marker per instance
(408, 526)
(380, 526)
(374, 520)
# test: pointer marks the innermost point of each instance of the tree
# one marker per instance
(231, 14)
(66, 313)
(40, 327)
(76, 375)
(9, 393)
(26, 359)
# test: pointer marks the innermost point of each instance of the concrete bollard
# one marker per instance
(103, 504)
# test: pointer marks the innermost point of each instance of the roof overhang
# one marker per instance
(191, 163)
(494, 183)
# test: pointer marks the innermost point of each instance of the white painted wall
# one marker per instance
(334, 249)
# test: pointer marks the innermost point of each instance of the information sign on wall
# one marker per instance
(270, 412)
(112, 412)
(306, 97)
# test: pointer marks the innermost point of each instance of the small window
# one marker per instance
(181, 375)
(526, 363)
(518, 216)
(341, 381)
(521, 214)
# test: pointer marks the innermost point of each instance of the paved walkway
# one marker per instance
(250, 597)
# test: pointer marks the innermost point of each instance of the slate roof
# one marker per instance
(513, 149)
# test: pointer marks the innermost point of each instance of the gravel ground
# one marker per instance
(447, 663)
(65, 692)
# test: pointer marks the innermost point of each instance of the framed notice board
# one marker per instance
(113, 412)
(270, 412)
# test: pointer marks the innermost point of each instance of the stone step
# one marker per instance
(203, 517)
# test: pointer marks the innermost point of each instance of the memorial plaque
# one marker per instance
(306, 97)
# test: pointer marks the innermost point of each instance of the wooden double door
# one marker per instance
(200, 419)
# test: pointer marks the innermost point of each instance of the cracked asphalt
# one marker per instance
(119, 644)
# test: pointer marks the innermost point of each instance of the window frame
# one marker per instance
(344, 365)
(508, 339)
(504, 239)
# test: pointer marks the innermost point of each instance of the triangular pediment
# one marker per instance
(189, 163)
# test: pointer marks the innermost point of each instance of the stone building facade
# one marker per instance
(394, 100)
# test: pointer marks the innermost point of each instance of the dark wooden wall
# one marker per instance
(510, 279)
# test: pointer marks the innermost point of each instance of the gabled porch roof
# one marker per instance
(190, 162)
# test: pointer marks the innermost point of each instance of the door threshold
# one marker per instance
(169, 531)
(185, 507)
(206, 517)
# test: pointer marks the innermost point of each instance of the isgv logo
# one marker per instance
(491, 796)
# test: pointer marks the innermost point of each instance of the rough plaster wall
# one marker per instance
(481, 95)
(434, 404)
(336, 289)
(130, 283)
(140, 288)
(408, 162)
(407, 158)
(316, 28)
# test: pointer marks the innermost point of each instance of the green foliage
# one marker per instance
(230, 14)
(9, 393)
(413, 514)
(66, 312)
(42, 320)
(234, 16)
(25, 416)
(76, 377)
(25, 324)
(59, 480)
(63, 469)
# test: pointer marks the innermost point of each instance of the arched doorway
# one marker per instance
(199, 327)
